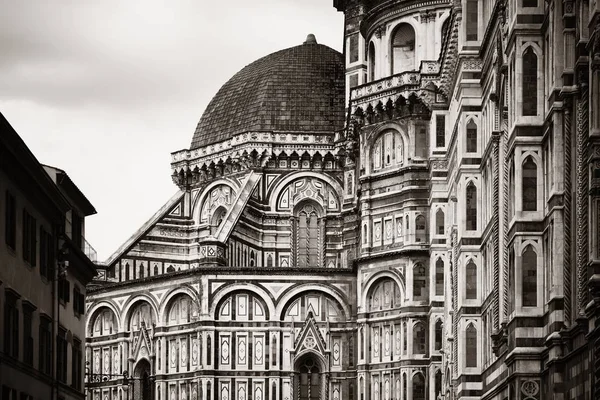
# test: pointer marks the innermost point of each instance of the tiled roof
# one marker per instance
(300, 89)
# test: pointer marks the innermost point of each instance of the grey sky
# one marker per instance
(106, 90)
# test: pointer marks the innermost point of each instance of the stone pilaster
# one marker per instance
(582, 197)
(567, 212)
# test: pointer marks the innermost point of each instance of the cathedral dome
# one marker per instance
(300, 89)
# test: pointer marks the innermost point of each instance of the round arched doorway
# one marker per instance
(142, 385)
(310, 378)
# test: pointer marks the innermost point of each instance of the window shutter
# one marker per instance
(25, 235)
(33, 241)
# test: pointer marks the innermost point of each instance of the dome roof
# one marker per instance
(300, 89)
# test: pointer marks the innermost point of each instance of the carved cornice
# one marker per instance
(244, 151)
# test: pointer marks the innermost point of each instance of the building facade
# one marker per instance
(416, 218)
(45, 266)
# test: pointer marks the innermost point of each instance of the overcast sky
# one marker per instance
(107, 89)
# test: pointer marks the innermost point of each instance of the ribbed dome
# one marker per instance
(300, 89)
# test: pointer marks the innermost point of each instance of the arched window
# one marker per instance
(403, 49)
(142, 271)
(404, 384)
(471, 347)
(471, 137)
(307, 236)
(420, 229)
(471, 281)
(156, 270)
(364, 234)
(387, 150)
(439, 222)
(419, 339)
(171, 269)
(472, 23)
(418, 387)
(471, 207)
(439, 277)
(529, 185)
(439, 332)
(420, 282)
(252, 258)
(126, 271)
(269, 260)
(371, 61)
(529, 268)
(529, 86)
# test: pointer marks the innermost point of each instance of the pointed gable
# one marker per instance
(310, 337)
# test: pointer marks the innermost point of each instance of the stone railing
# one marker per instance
(379, 87)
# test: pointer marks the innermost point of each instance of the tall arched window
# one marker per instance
(472, 24)
(511, 189)
(471, 137)
(529, 86)
(439, 332)
(420, 282)
(364, 234)
(419, 339)
(418, 388)
(403, 49)
(420, 229)
(404, 338)
(471, 347)
(156, 270)
(439, 222)
(439, 277)
(438, 383)
(209, 355)
(371, 61)
(529, 185)
(269, 260)
(471, 207)
(529, 278)
(349, 182)
(308, 235)
(471, 281)
(511, 280)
